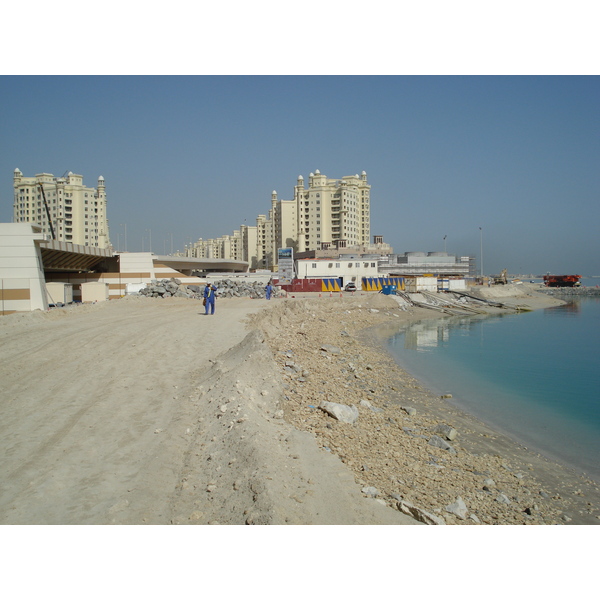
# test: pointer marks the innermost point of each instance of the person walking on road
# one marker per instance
(209, 298)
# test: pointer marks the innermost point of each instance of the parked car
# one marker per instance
(350, 287)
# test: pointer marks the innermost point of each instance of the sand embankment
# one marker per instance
(146, 411)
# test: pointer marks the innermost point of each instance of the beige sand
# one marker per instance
(146, 411)
(113, 413)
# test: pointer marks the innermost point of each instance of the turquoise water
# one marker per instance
(535, 375)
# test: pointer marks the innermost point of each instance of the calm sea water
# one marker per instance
(535, 375)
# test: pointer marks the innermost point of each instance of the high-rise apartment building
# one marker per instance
(77, 213)
(330, 214)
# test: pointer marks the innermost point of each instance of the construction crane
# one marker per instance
(47, 211)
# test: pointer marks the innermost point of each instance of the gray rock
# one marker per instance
(409, 410)
(330, 349)
(292, 366)
(458, 508)
(446, 431)
(410, 432)
(341, 412)
(438, 442)
(419, 514)
(370, 491)
(503, 499)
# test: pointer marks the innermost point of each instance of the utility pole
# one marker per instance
(481, 251)
(445, 242)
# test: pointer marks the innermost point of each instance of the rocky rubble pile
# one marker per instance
(379, 421)
(571, 291)
(229, 288)
(226, 288)
(165, 288)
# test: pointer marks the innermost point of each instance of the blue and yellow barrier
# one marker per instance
(330, 285)
(375, 284)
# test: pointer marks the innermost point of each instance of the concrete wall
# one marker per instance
(22, 283)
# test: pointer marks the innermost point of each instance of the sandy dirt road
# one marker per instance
(105, 419)
(83, 392)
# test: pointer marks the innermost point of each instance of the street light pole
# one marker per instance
(481, 251)
(445, 242)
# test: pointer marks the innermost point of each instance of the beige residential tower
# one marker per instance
(331, 214)
(77, 213)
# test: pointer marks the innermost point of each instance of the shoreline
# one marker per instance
(456, 401)
(546, 490)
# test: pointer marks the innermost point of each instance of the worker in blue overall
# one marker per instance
(268, 291)
(209, 298)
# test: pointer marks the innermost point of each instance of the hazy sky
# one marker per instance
(196, 156)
